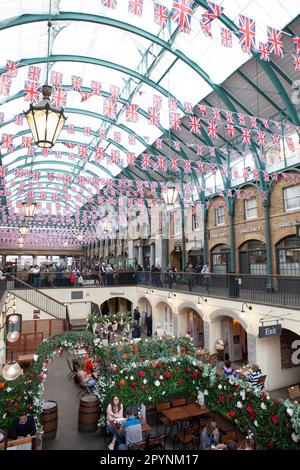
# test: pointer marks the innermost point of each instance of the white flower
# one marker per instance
(145, 381)
(126, 377)
(294, 437)
(163, 392)
(4, 416)
(35, 357)
(290, 411)
(149, 398)
(205, 392)
(220, 387)
(131, 377)
(263, 406)
(8, 389)
(161, 377)
(157, 383)
(239, 404)
(256, 423)
(268, 397)
(243, 394)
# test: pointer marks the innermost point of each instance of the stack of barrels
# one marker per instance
(89, 414)
(49, 419)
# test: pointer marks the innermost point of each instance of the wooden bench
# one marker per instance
(294, 392)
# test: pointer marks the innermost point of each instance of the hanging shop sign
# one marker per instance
(270, 330)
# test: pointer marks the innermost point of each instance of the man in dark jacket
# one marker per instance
(149, 324)
(24, 426)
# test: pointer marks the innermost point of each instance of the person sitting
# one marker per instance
(131, 430)
(227, 369)
(113, 411)
(210, 436)
(84, 379)
(24, 426)
(254, 375)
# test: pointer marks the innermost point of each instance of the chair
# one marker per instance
(261, 382)
(178, 402)
(186, 436)
(229, 436)
(294, 392)
(72, 373)
(156, 442)
(138, 445)
(159, 417)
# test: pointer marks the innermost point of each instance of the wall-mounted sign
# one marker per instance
(36, 314)
(177, 248)
(217, 234)
(269, 330)
(77, 295)
(290, 223)
(116, 293)
(250, 229)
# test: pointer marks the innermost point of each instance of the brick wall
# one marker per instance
(286, 339)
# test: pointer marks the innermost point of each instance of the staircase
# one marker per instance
(37, 298)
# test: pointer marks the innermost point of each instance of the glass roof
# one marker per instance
(143, 61)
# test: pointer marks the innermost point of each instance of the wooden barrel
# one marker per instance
(89, 413)
(49, 419)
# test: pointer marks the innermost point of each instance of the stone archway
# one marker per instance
(164, 319)
(190, 321)
(114, 305)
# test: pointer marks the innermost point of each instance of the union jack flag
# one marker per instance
(174, 164)
(276, 141)
(99, 154)
(246, 32)
(76, 83)
(18, 119)
(31, 91)
(109, 3)
(153, 116)
(109, 108)
(177, 145)
(96, 87)
(114, 92)
(194, 124)
(230, 129)
(200, 166)
(212, 130)
(102, 134)
(172, 102)
(275, 41)
(202, 109)
(26, 142)
(5, 84)
(146, 161)
(1, 117)
(199, 150)
(157, 102)
(296, 60)
(261, 137)
(229, 117)
(34, 73)
(7, 142)
(58, 97)
(289, 142)
(264, 52)
(58, 155)
(253, 122)
(161, 15)
(82, 151)
(12, 68)
(71, 156)
(131, 139)
(131, 158)
(85, 95)
(135, 7)
(70, 129)
(246, 136)
(216, 114)
(187, 166)
(188, 107)
(87, 131)
(182, 14)
(265, 123)
(175, 121)
(161, 163)
(242, 119)
(206, 28)
(159, 144)
(213, 11)
(296, 41)
(226, 37)
(115, 156)
(132, 114)
(117, 137)
(56, 78)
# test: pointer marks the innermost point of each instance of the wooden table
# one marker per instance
(184, 412)
(25, 359)
(145, 426)
(243, 372)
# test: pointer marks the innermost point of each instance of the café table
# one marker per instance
(243, 372)
(145, 426)
(181, 413)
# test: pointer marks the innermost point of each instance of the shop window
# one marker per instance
(250, 208)
(220, 215)
(253, 258)
(220, 259)
(288, 257)
(291, 197)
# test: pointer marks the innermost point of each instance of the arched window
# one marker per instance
(220, 259)
(253, 257)
(288, 256)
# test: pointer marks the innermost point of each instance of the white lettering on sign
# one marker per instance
(250, 229)
(296, 354)
(290, 223)
(218, 234)
(270, 331)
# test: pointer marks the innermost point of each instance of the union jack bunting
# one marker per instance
(56, 78)
(182, 14)
(85, 95)
(188, 107)
(296, 41)
(212, 151)
(76, 83)
(213, 11)
(206, 28)
(177, 145)
(246, 136)
(131, 157)
(264, 51)
(202, 109)
(175, 121)
(174, 164)
(70, 129)
(102, 134)
(199, 150)
(7, 142)
(26, 141)
(135, 7)
(115, 156)
(265, 123)
(261, 137)
(5, 84)
(96, 88)
(131, 140)
(253, 122)
(117, 137)
(31, 91)
(146, 161)
(58, 97)
(34, 73)
(159, 144)
(109, 3)
(212, 130)
(187, 166)
(58, 155)
(153, 116)
(289, 142)
(229, 117)
(82, 151)
(11, 68)
(246, 32)
(296, 61)
(172, 103)
(71, 156)
(70, 145)
(1, 117)
(242, 119)
(275, 41)
(109, 108)
(157, 102)
(230, 129)
(161, 15)
(161, 163)
(276, 141)
(195, 124)
(226, 37)
(132, 114)
(18, 119)
(87, 131)
(114, 92)
(99, 154)
(216, 114)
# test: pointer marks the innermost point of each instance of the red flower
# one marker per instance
(195, 375)
(236, 386)
(232, 413)
(177, 368)
(249, 409)
(143, 387)
(221, 398)
(167, 375)
(16, 405)
(133, 384)
(115, 371)
(40, 377)
(264, 395)
(165, 366)
(141, 374)
(179, 382)
(274, 419)
(158, 363)
(269, 445)
(188, 369)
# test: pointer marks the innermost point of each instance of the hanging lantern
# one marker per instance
(11, 371)
(45, 122)
(106, 225)
(170, 194)
(29, 208)
(23, 229)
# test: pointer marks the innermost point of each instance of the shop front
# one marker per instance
(234, 338)
(219, 256)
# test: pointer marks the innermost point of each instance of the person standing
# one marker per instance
(149, 324)
(190, 277)
(137, 315)
(205, 272)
